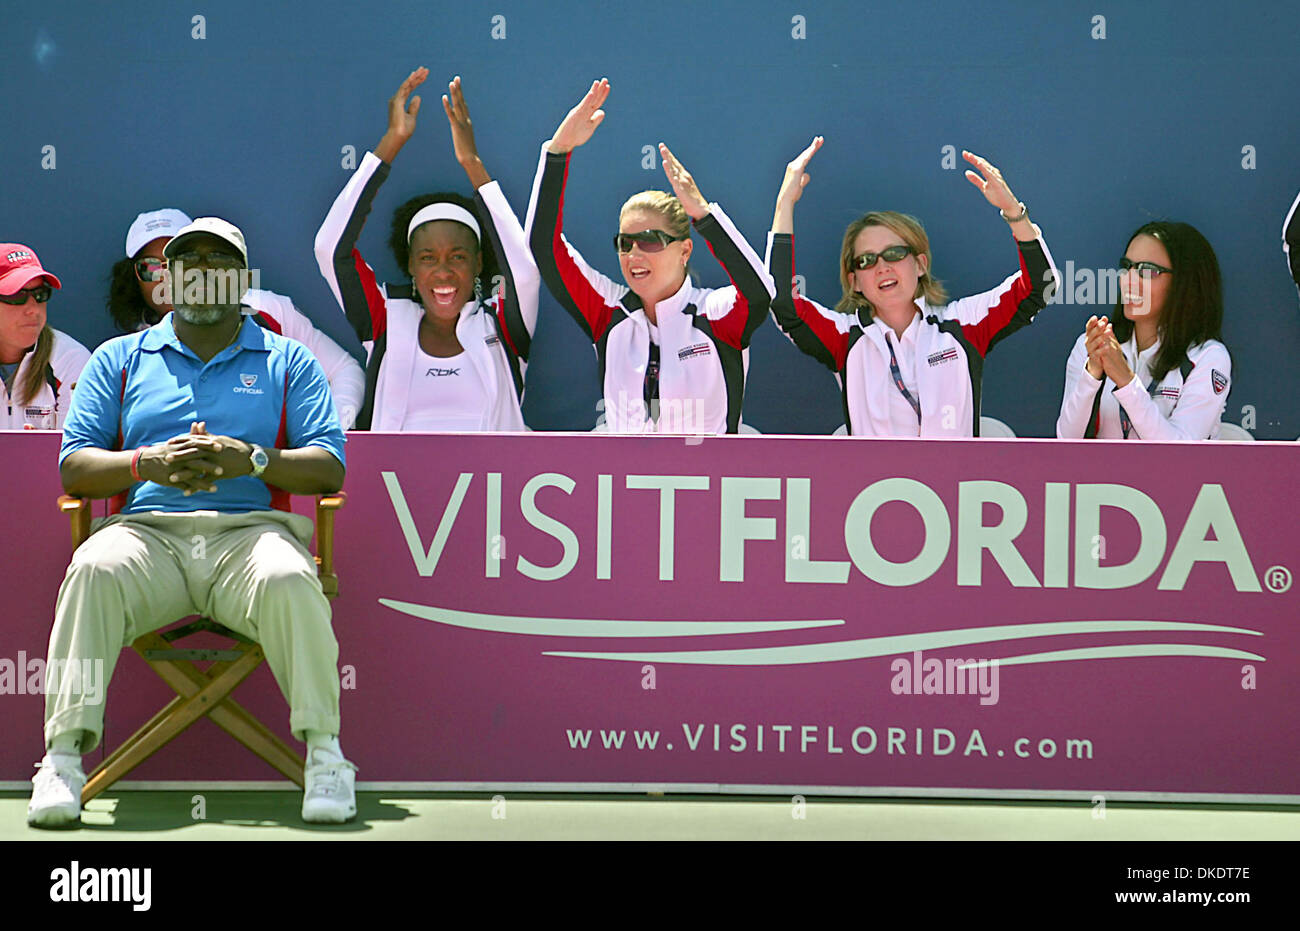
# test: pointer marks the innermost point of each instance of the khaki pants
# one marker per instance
(138, 572)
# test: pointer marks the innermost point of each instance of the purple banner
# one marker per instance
(962, 617)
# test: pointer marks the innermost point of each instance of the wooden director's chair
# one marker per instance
(204, 692)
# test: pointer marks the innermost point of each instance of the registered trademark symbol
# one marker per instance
(1278, 579)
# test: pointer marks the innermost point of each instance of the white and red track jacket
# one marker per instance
(1291, 239)
(347, 380)
(49, 408)
(495, 333)
(704, 333)
(1187, 404)
(951, 343)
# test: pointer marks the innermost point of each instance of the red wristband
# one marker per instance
(135, 465)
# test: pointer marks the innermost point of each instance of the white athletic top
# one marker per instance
(903, 421)
(446, 394)
(1173, 411)
(47, 410)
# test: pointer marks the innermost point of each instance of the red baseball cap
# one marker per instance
(19, 266)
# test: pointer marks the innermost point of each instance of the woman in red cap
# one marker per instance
(39, 365)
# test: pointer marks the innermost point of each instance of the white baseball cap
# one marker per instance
(214, 226)
(151, 225)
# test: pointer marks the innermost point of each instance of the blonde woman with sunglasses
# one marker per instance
(908, 360)
(672, 356)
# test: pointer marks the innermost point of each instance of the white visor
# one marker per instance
(443, 211)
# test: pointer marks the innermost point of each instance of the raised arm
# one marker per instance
(588, 296)
(350, 279)
(1291, 240)
(989, 317)
(735, 311)
(815, 330)
(515, 304)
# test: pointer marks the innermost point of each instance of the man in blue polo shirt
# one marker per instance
(193, 418)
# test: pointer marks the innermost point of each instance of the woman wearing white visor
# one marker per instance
(448, 351)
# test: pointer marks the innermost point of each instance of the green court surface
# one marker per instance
(274, 815)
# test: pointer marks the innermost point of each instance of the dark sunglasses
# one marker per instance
(1145, 269)
(40, 294)
(649, 240)
(892, 254)
(209, 259)
(150, 269)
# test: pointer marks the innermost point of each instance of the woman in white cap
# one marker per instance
(672, 356)
(448, 351)
(137, 300)
(39, 365)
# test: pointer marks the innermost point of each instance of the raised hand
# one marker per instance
(462, 134)
(792, 185)
(401, 116)
(1109, 355)
(796, 173)
(684, 185)
(991, 184)
(576, 128)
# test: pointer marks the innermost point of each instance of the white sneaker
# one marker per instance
(330, 794)
(56, 792)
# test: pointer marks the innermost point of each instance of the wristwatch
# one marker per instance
(257, 456)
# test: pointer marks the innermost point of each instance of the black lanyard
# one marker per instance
(650, 388)
(1125, 423)
(898, 379)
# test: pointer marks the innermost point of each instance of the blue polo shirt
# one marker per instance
(240, 392)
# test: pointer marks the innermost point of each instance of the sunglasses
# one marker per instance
(209, 259)
(150, 269)
(40, 294)
(1145, 269)
(649, 240)
(892, 254)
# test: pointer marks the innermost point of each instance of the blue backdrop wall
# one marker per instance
(1101, 115)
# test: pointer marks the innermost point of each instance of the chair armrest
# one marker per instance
(326, 506)
(78, 511)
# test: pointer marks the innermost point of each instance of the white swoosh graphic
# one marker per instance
(893, 645)
(593, 627)
(1116, 652)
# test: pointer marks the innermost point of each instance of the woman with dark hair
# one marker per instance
(672, 356)
(137, 300)
(909, 361)
(39, 365)
(447, 351)
(1158, 369)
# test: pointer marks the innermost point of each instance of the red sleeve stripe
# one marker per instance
(1000, 314)
(374, 300)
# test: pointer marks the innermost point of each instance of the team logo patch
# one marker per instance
(1220, 381)
(939, 358)
(690, 352)
(248, 381)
